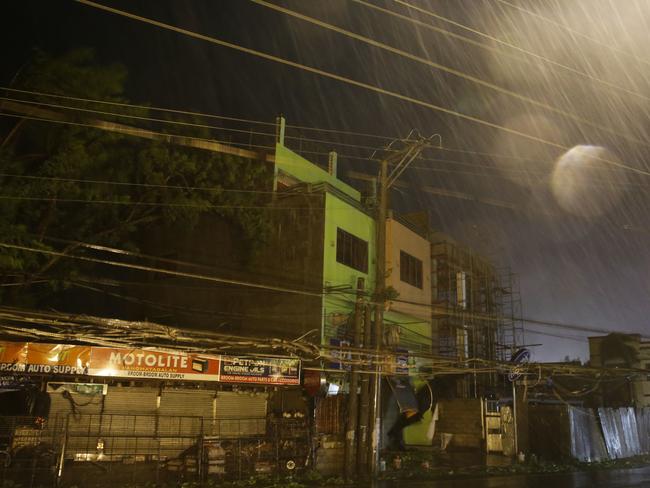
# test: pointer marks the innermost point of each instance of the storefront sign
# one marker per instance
(265, 371)
(13, 357)
(57, 359)
(23, 357)
(145, 363)
(65, 359)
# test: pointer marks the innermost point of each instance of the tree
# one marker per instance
(64, 183)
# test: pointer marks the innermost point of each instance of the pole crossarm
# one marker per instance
(414, 147)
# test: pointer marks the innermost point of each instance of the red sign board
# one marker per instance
(65, 359)
(146, 363)
(23, 357)
(13, 357)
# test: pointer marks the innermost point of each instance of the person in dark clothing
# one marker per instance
(409, 416)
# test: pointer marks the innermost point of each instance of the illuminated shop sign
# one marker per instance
(64, 359)
(268, 371)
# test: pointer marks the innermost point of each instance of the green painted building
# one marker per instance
(329, 214)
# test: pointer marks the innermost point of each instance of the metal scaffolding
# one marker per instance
(476, 306)
(511, 329)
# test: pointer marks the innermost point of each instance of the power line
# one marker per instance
(169, 137)
(573, 32)
(182, 112)
(133, 116)
(275, 318)
(501, 42)
(121, 333)
(141, 133)
(499, 171)
(577, 327)
(446, 69)
(437, 160)
(165, 204)
(116, 284)
(134, 131)
(66, 107)
(581, 328)
(323, 141)
(148, 257)
(559, 336)
(141, 107)
(345, 79)
(146, 133)
(150, 204)
(185, 124)
(195, 114)
(169, 272)
(190, 124)
(142, 185)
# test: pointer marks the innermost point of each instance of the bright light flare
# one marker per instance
(584, 183)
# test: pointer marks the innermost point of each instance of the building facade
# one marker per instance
(628, 351)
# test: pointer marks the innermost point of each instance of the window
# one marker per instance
(351, 251)
(410, 269)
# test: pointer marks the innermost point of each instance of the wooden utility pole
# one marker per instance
(364, 402)
(401, 160)
(353, 396)
(378, 326)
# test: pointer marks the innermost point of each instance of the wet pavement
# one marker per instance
(615, 478)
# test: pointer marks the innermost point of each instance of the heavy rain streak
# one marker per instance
(279, 240)
(541, 108)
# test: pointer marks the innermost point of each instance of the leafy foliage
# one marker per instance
(79, 183)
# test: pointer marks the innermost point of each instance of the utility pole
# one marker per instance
(352, 410)
(401, 160)
(378, 329)
(364, 402)
(515, 430)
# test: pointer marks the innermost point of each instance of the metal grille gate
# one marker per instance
(120, 448)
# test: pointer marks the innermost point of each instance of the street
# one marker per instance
(619, 478)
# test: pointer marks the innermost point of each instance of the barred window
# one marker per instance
(351, 251)
(410, 269)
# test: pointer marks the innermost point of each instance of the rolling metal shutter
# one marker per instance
(186, 403)
(240, 414)
(129, 423)
(131, 400)
(80, 413)
(182, 415)
(131, 426)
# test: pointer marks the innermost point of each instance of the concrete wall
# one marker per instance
(401, 238)
(303, 170)
(338, 307)
(639, 390)
(290, 258)
(344, 215)
(462, 418)
(549, 431)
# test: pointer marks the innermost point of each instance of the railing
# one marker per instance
(123, 449)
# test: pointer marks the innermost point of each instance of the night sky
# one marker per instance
(575, 228)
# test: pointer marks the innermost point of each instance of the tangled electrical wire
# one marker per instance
(46, 326)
